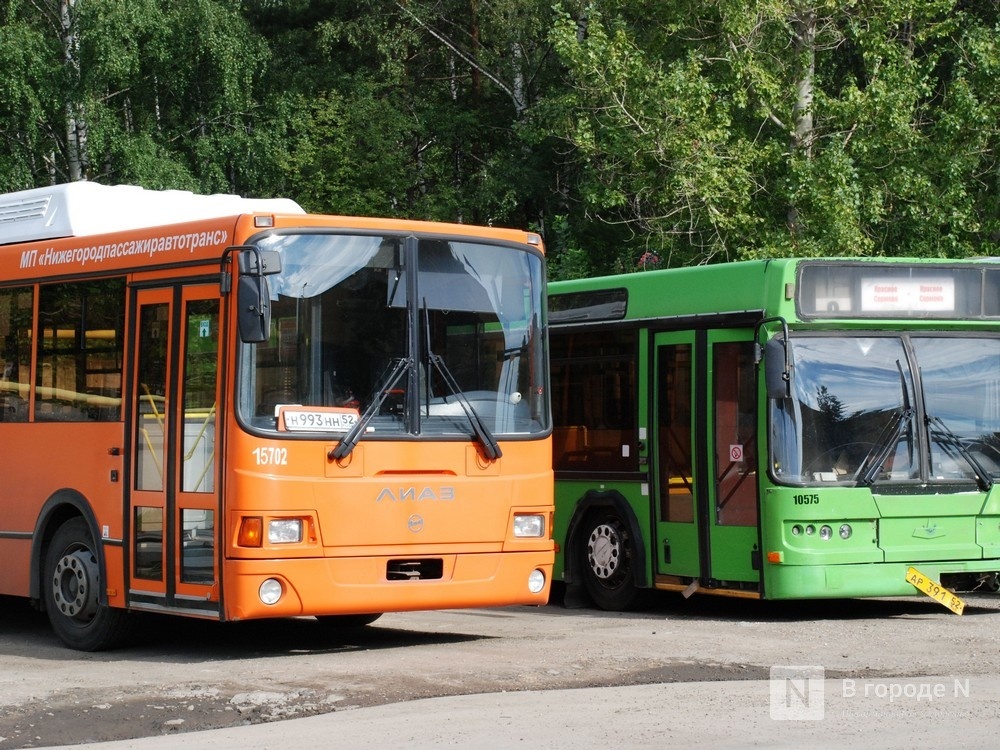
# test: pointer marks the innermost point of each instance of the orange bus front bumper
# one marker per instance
(360, 585)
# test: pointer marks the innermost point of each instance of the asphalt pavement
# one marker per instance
(790, 710)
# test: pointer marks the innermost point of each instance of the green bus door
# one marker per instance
(704, 459)
(678, 544)
(732, 443)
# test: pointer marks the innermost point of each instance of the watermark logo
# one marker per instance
(797, 693)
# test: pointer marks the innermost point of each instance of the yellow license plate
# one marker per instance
(935, 590)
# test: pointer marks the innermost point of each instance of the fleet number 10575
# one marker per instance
(806, 499)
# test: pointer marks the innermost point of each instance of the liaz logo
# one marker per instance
(414, 494)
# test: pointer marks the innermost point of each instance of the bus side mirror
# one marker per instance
(254, 317)
(253, 294)
(777, 369)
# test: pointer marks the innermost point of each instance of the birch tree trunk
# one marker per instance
(803, 24)
(76, 123)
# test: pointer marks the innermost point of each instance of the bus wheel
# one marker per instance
(608, 559)
(72, 585)
(347, 622)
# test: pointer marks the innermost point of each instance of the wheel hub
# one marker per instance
(604, 551)
(74, 584)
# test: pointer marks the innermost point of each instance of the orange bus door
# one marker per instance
(174, 496)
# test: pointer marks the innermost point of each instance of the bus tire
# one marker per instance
(608, 560)
(71, 588)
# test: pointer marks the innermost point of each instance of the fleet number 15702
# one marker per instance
(268, 456)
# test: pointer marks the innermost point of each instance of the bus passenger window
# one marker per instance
(595, 417)
(80, 351)
(15, 353)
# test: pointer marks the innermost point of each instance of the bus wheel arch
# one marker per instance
(68, 573)
(606, 551)
(57, 510)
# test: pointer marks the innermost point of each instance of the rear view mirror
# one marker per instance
(778, 368)
(254, 309)
(253, 295)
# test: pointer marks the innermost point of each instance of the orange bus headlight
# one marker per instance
(529, 525)
(284, 531)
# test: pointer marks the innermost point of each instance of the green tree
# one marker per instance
(28, 87)
(144, 91)
(630, 133)
(741, 129)
(411, 108)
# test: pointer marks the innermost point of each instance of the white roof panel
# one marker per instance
(84, 208)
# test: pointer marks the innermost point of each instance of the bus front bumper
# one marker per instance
(870, 579)
(363, 585)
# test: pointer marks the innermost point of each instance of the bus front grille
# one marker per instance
(425, 569)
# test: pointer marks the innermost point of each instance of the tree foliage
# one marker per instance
(735, 129)
(631, 133)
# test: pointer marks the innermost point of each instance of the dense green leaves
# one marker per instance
(632, 133)
(761, 129)
(26, 90)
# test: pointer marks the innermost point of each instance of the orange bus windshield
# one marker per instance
(345, 313)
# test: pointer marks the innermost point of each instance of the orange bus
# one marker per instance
(228, 408)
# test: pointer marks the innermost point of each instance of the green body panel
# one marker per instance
(786, 509)
(733, 553)
(929, 538)
(938, 534)
(861, 579)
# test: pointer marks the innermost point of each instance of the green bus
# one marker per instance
(782, 429)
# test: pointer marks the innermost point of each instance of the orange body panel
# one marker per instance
(38, 461)
(394, 500)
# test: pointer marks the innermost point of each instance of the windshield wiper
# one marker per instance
(946, 437)
(888, 439)
(885, 446)
(346, 445)
(490, 446)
